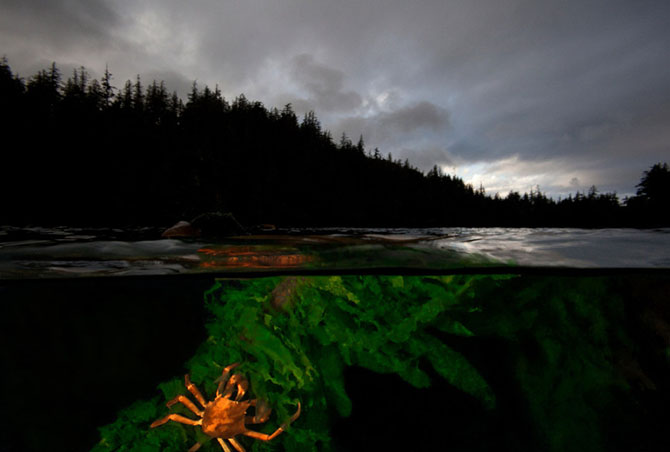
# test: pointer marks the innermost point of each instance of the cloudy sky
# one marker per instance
(507, 93)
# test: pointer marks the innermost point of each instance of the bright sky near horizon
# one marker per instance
(510, 94)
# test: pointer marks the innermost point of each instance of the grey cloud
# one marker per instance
(420, 115)
(525, 76)
(413, 132)
(81, 11)
(324, 85)
(397, 125)
(299, 105)
(426, 157)
(173, 81)
(56, 23)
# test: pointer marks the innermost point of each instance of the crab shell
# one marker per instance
(224, 418)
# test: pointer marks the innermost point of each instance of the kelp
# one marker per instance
(294, 337)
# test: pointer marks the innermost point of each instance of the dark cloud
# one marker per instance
(565, 90)
(413, 132)
(399, 125)
(324, 85)
(425, 158)
(59, 12)
(420, 115)
(53, 25)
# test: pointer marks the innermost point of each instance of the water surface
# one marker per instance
(68, 252)
(548, 339)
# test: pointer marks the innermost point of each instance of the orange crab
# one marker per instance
(225, 417)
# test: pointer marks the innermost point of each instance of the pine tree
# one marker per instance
(125, 99)
(311, 123)
(194, 94)
(107, 88)
(138, 95)
(360, 147)
(655, 184)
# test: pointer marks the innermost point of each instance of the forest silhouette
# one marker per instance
(82, 152)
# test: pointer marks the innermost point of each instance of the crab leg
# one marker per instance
(265, 436)
(236, 445)
(176, 418)
(187, 403)
(194, 390)
(223, 379)
(224, 446)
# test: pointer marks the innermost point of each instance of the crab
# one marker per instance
(225, 417)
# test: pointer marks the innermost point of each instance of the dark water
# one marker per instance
(78, 349)
(75, 353)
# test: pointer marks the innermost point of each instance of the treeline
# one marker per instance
(82, 152)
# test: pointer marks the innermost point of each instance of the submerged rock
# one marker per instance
(210, 224)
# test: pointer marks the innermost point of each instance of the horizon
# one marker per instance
(531, 188)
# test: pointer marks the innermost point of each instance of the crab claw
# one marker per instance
(226, 373)
(223, 379)
(295, 416)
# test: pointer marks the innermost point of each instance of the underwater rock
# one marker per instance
(265, 227)
(180, 229)
(285, 294)
(210, 224)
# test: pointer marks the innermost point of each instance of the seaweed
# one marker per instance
(294, 337)
(565, 334)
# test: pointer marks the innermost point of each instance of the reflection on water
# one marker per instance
(581, 248)
(232, 257)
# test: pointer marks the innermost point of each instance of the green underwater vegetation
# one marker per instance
(295, 335)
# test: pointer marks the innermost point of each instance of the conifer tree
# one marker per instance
(360, 147)
(138, 95)
(107, 88)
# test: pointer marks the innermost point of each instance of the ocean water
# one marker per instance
(405, 339)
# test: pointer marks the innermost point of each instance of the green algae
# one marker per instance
(295, 336)
(565, 333)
